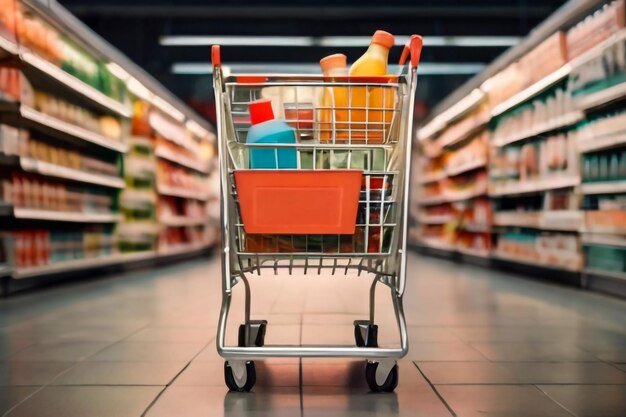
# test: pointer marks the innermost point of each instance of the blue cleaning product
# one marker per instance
(266, 129)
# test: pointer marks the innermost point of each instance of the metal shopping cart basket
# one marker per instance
(334, 201)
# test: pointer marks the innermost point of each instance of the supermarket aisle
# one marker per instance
(482, 343)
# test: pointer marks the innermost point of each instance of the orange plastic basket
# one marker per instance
(299, 201)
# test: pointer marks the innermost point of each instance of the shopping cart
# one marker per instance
(341, 209)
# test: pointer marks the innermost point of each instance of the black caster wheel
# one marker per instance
(241, 386)
(390, 383)
(365, 334)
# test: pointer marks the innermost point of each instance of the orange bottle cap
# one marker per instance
(383, 38)
(261, 111)
(332, 62)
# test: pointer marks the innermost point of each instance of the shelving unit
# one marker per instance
(552, 188)
(68, 131)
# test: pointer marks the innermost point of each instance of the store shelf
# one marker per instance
(602, 142)
(57, 74)
(58, 171)
(466, 167)
(7, 47)
(612, 187)
(184, 248)
(604, 240)
(532, 91)
(480, 125)
(165, 153)
(439, 219)
(177, 192)
(474, 252)
(566, 220)
(55, 126)
(183, 221)
(432, 178)
(534, 186)
(59, 216)
(540, 264)
(476, 227)
(561, 122)
(437, 244)
(601, 98)
(604, 273)
(78, 264)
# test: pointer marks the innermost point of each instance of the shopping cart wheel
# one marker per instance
(365, 334)
(241, 381)
(378, 384)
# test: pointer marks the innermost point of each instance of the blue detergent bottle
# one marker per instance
(266, 129)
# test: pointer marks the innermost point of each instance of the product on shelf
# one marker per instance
(602, 71)
(464, 127)
(541, 114)
(7, 19)
(595, 28)
(11, 80)
(472, 153)
(11, 139)
(605, 258)
(504, 84)
(169, 208)
(172, 175)
(169, 129)
(34, 248)
(26, 191)
(544, 59)
(604, 166)
(602, 127)
(555, 250)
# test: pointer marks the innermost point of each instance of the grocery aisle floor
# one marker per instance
(483, 343)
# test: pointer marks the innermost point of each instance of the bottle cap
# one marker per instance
(332, 62)
(261, 111)
(383, 38)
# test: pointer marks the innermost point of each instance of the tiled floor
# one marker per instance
(482, 343)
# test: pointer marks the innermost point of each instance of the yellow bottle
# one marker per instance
(379, 101)
(333, 114)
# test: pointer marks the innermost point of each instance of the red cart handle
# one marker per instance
(216, 56)
(414, 48)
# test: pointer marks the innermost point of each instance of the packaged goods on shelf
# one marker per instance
(172, 175)
(430, 170)
(548, 111)
(169, 208)
(544, 59)
(474, 243)
(11, 80)
(172, 130)
(600, 132)
(34, 248)
(471, 156)
(555, 250)
(7, 18)
(463, 128)
(105, 125)
(595, 28)
(602, 71)
(504, 85)
(605, 259)
(12, 139)
(604, 166)
(539, 160)
(25, 191)
(477, 216)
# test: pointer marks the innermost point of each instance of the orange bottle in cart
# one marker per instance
(334, 99)
(377, 100)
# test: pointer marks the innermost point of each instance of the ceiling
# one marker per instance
(137, 26)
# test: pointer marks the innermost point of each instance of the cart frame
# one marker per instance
(388, 267)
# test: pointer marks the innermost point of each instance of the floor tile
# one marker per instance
(31, 373)
(616, 356)
(87, 401)
(589, 400)
(211, 374)
(61, 351)
(621, 366)
(466, 373)
(500, 401)
(325, 401)
(183, 401)
(566, 373)
(11, 396)
(444, 351)
(173, 335)
(421, 334)
(538, 352)
(121, 373)
(148, 352)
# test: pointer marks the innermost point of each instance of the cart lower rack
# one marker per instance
(331, 201)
